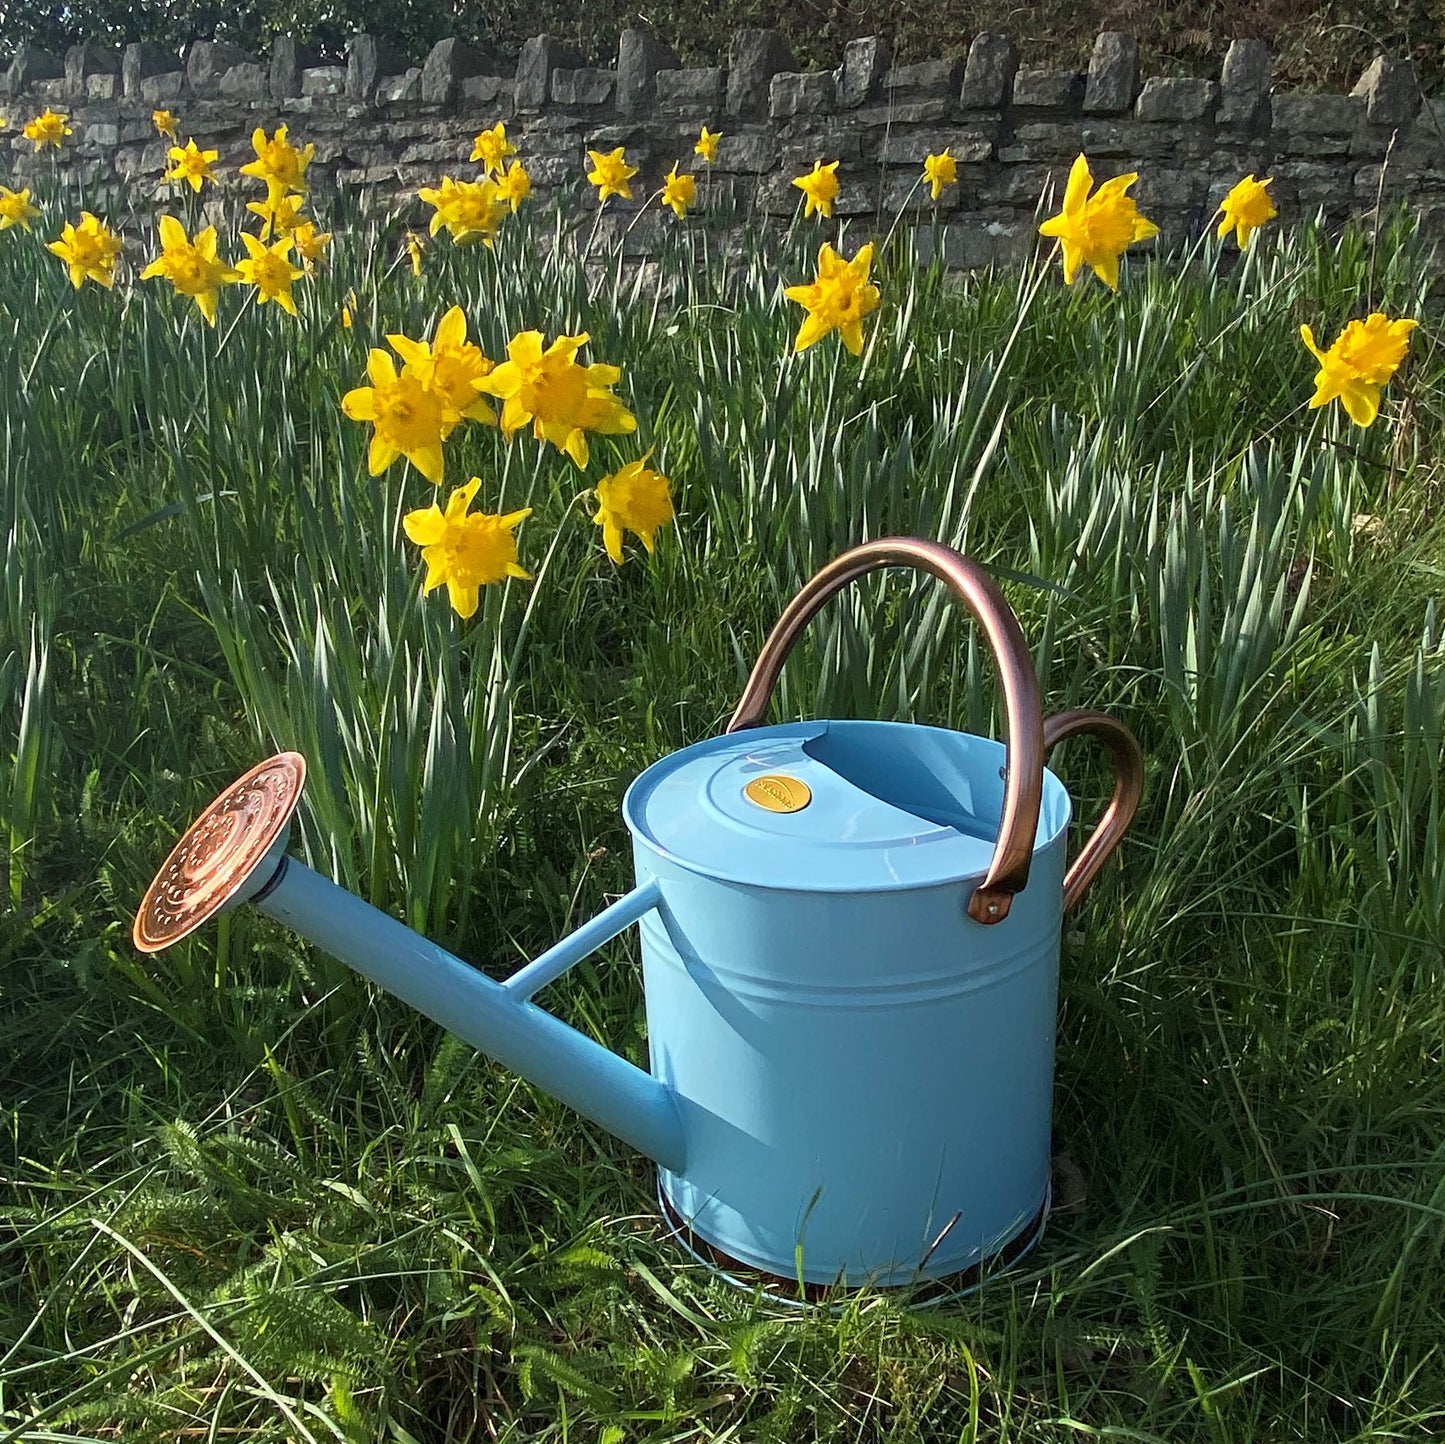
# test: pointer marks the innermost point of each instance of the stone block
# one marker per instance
(102, 133)
(494, 91)
(367, 60)
(803, 141)
(1163, 188)
(102, 88)
(87, 59)
(860, 77)
(1113, 74)
(208, 60)
(903, 193)
(808, 92)
(1307, 184)
(551, 170)
(1244, 83)
(436, 152)
(928, 77)
(748, 154)
(1019, 186)
(1176, 98)
(988, 76)
(777, 196)
(251, 81)
(324, 80)
(691, 92)
(1127, 139)
(142, 59)
(639, 58)
(977, 240)
(539, 57)
(1317, 114)
(904, 112)
(609, 137)
(1061, 90)
(912, 147)
(1390, 90)
(1424, 143)
(393, 88)
(128, 163)
(583, 87)
(1372, 142)
(30, 65)
(161, 90)
(288, 60)
(754, 57)
(448, 63)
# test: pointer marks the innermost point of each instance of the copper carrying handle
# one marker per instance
(1008, 870)
(1128, 788)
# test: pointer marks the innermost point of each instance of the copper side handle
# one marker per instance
(1128, 788)
(1023, 779)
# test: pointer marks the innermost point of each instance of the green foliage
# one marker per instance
(1316, 45)
(244, 1194)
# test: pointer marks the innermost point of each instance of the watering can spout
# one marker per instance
(235, 852)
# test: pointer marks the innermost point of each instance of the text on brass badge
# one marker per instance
(778, 793)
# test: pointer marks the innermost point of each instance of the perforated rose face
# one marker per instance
(222, 848)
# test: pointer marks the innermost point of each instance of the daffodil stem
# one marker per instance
(899, 216)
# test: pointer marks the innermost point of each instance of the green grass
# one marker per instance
(246, 1196)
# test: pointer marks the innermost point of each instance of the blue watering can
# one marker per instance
(850, 947)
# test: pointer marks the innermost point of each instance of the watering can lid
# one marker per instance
(832, 806)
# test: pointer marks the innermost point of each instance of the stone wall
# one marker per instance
(390, 123)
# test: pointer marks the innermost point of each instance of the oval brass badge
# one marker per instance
(778, 793)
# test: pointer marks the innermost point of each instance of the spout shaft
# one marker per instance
(543, 1049)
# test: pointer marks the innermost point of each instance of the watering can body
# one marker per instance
(850, 944)
(864, 1073)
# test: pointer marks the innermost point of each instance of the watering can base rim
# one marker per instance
(780, 1289)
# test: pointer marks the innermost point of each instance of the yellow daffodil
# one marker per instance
(47, 129)
(278, 162)
(610, 173)
(838, 300)
(451, 366)
(408, 419)
(15, 208)
(819, 188)
(310, 243)
(281, 214)
(706, 145)
(515, 186)
(270, 271)
(466, 550)
(348, 307)
(89, 250)
(191, 165)
(1366, 354)
(413, 252)
(632, 499)
(562, 399)
(679, 192)
(1245, 209)
(192, 267)
(165, 123)
(939, 171)
(469, 210)
(492, 147)
(1095, 230)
